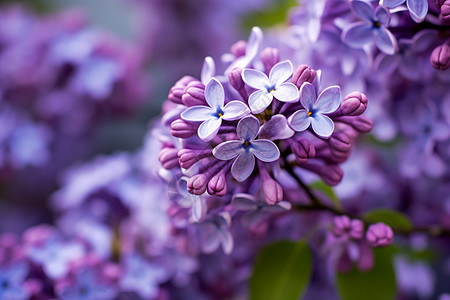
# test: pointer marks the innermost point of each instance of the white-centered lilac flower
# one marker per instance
(267, 88)
(211, 117)
(246, 149)
(316, 109)
(417, 8)
(373, 26)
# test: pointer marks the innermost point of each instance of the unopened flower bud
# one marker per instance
(194, 94)
(177, 91)
(237, 82)
(182, 129)
(331, 174)
(354, 104)
(218, 185)
(272, 191)
(197, 184)
(379, 235)
(188, 157)
(341, 225)
(168, 158)
(340, 142)
(270, 57)
(303, 149)
(444, 16)
(238, 48)
(440, 57)
(303, 74)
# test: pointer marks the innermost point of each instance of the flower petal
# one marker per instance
(208, 70)
(278, 207)
(228, 150)
(382, 15)
(276, 129)
(307, 95)
(244, 202)
(322, 125)
(259, 101)
(265, 150)
(198, 209)
(300, 121)
(234, 110)
(209, 237)
(243, 166)
(385, 41)
(254, 43)
(393, 3)
(280, 72)
(329, 100)
(386, 63)
(208, 129)
(357, 34)
(287, 92)
(417, 9)
(255, 79)
(214, 94)
(248, 128)
(362, 9)
(226, 239)
(197, 113)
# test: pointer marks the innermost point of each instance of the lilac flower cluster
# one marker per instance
(255, 120)
(396, 53)
(55, 86)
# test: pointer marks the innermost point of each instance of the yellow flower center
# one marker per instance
(309, 113)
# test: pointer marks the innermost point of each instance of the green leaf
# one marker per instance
(327, 191)
(397, 220)
(272, 15)
(282, 271)
(378, 283)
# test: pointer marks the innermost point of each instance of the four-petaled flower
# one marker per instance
(267, 88)
(246, 149)
(315, 110)
(417, 8)
(373, 26)
(211, 117)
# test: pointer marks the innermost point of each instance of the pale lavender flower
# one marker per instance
(87, 286)
(215, 232)
(12, 278)
(141, 276)
(268, 88)
(315, 110)
(373, 26)
(417, 8)
(212, 116)
(246, 149)
(256, 211)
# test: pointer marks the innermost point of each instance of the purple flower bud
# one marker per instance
(194, 94)
(303, 149)
(168, 158)
(440, 57)
(331, 174)
(237, 82)
(177, 91)
(270, 57)
(360, 123)
(379, 235)
(303, 74)
(197, 184)
(354, 104)
(182, 129)
(339, 142)
(238, 48)
(356, 229)
(341, 225)
(188, 157)
(218, 185)
(273, 192)
(444, 17)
